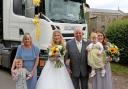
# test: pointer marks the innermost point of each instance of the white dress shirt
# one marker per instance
(79, 45)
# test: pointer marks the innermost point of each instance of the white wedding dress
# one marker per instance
(54, 78)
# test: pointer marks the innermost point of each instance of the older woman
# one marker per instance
(106, 81)
(30, 56)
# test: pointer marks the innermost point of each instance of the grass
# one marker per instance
(119, 69)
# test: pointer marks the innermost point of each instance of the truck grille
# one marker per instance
(68, 36)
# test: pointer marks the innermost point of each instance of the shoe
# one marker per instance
(92, 74)
(103, 73)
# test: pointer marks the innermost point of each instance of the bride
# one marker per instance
(54, 74)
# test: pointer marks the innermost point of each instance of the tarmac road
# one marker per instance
(5, 80)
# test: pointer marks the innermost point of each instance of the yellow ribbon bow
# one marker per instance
(36, 2)
(36, 22)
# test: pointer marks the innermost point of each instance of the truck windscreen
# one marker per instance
(64, 11)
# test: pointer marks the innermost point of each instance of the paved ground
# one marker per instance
(5, 80)
(119, 81)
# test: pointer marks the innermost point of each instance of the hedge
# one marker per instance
(117, 33)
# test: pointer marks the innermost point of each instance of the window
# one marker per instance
(17, 7)
(66, 11)
(23, 8)
(29, 9)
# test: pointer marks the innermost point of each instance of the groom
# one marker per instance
(76, 60)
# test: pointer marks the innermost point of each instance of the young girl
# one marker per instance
(20, 75)
(95, 55)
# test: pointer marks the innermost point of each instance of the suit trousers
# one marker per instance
(80, 82)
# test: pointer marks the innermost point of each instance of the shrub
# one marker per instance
(117, 33)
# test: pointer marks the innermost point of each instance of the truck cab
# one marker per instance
(16, 19)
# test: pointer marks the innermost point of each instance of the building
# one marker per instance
(100, 18)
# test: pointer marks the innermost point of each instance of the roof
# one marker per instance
(105, 11)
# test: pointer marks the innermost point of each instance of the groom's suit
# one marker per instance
(78, 63)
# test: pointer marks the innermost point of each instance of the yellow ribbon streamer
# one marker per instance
(36, 22)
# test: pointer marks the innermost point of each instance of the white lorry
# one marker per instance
(16, 19)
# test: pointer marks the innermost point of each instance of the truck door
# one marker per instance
(22, 12)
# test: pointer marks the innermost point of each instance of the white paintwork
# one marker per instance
(13, 22)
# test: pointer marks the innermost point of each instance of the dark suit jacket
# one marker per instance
(78, 61)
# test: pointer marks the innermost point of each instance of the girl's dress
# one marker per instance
(54, 78)
(20, 77)
(94, 60)
(29, 55)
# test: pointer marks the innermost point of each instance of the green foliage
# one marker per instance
(117, 33)
(119, 69)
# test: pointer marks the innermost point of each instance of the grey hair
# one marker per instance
(78, 28)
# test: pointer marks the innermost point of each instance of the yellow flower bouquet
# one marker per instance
(113, 52)
(55, 53)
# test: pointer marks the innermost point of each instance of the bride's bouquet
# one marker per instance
(55, 53)
(112, 53)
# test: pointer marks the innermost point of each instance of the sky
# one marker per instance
(109, 4)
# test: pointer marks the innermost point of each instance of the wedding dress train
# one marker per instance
(54, 78)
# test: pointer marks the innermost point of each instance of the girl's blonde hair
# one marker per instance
(17, 61)
(53, 41)
(93, 35)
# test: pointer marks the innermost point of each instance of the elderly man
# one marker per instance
(76, 59)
